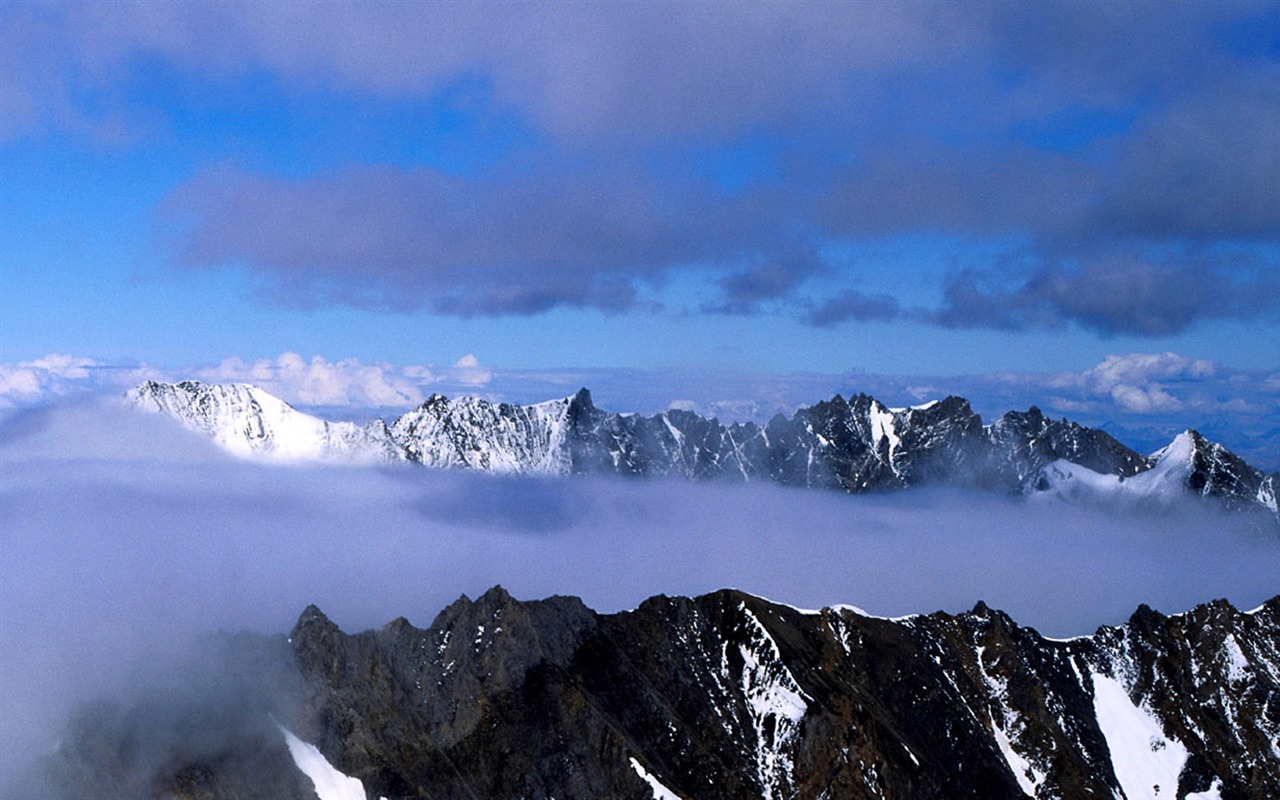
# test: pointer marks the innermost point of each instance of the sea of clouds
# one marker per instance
(124, 538)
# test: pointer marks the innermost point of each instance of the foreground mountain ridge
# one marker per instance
(856, 445)
(726, 695)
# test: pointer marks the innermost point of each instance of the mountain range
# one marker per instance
(726, 695)
(854, 445)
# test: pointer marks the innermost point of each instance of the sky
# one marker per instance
(766, 189)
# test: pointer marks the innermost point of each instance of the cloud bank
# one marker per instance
(125, 537)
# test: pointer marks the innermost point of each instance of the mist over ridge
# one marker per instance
(856, 445)
(116, 555)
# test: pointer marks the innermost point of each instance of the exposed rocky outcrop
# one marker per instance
(730, 696)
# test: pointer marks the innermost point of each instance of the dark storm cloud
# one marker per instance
(772, 278)
(914, 185)
(1205, 169)
(1120, 292)
(579, 69)
(853, 305)
(408, 239)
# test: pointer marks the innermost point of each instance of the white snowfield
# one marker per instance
(472, 433)
(1146, 762)
(329, 782)
(1164, 482)
(251, 423)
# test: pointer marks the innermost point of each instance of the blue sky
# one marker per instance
(759, 189)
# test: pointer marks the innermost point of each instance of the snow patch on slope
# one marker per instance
(1145, 761)
(776, 704)
(329, 782)
(1173, 463)
(1267, 496)
(251, 423)
(1164, 482)
(1214, 792)
(660, 792)
(1028, 776)
(882, 427)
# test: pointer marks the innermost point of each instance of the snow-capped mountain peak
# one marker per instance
(253, 423)
(494, 437)
(855, 445)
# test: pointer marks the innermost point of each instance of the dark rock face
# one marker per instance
(1022, 442)
(1217, 472)
(728, 695)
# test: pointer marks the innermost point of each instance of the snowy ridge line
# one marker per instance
(835, 607)
(854, 445)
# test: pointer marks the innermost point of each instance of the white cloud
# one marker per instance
(314, 381)
(1142, 400)
(57, 375)
(1138, 383)
(1146, 368)
(924, 393)
(319, 382)
(1069, 406)
(468, 371)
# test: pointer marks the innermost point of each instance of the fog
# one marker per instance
(122, 539)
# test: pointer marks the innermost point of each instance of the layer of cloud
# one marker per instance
(58, 375)
(34, 380)
(578, 69)
(747, 289)
(1204, 168)
(603, 233)
(414, 239)
(853, 305)
(468, 371)
(117, 556)
(1120, 292)
(318, 382)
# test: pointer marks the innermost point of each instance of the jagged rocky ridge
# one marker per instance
(721, 696)
(856, 445)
